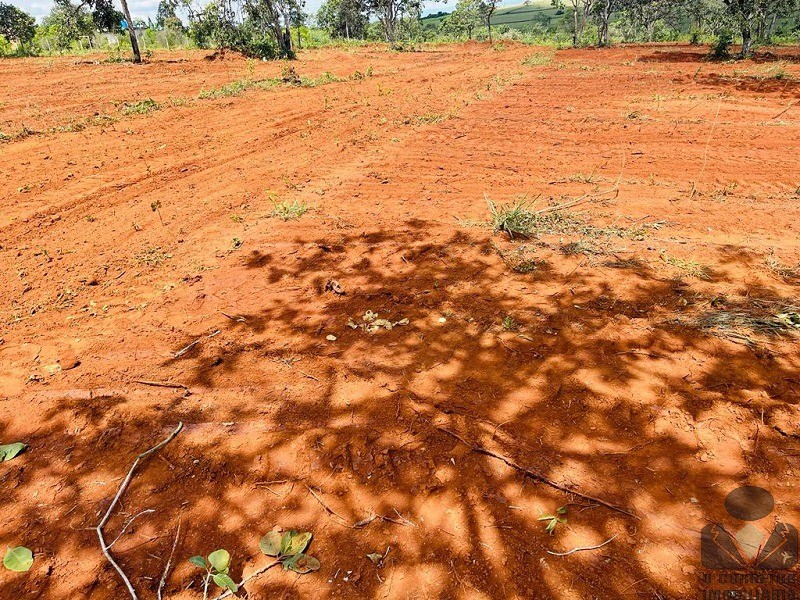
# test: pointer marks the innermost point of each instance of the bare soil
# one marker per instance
(596, 353)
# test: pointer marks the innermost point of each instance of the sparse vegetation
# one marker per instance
(142, 107)
(517, 219)
(152, 256)
(217, 567)
(691, 268)
(288, 211)
(555, 520)
(538, 59)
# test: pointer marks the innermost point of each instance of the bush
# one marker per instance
(722, 47)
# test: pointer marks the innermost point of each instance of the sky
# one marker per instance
(141, 9)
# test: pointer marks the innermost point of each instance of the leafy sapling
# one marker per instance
(554, 520)
(217, 566)
(287, 548)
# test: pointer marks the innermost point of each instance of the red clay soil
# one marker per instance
(622, 352)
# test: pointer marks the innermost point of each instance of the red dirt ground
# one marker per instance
(603, 383)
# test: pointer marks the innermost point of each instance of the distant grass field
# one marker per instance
(516, 16)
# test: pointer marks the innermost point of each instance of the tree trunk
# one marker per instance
(137, 56)
(575, 30)
(747, 41)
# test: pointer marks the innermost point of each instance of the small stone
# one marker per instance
(330, 338)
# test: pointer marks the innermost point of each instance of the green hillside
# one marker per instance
(516, 16)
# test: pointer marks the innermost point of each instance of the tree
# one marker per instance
(67, 23)
(581, 9)
(487, 10)
(266, 15)
(645, 14)
(16, 25)
(344, 18)
(603, 10)
(166, 16)
(756, 18)
(390, 12)
(465, 18)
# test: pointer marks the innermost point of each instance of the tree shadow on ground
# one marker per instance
(588, 384)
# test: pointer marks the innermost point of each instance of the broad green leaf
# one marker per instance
(375, 557)
(301, 563)
(9, 451)
(562, 510)
(270, 544)
(225, 581)
(199, 561)
(294, 543)
(18, 559)
(220, 560)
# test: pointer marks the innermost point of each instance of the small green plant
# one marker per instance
(509, 324)
(514, 219)
(288, 550)
(287, 211)
(140, 108)
(217, 566)
(155, 206)
(18, 559)
(554, 520)
(236, 244)
(237, 218)
(289, 76)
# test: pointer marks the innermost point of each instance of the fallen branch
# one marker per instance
(785, 110)
(163, 580)
(185, 349)
(533, 474)
(123, 486)
(236, 318)
(586, 197)
(164, 384)
(128, 524)
(252, 575)
(582, 548)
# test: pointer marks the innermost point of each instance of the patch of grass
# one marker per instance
(734, 320)
(142, 107)
(516, 219)
(580, 247)
(323, 79)
(287, 211)
(521, 259)
(427, 119)
(22, 133)
(538, 59)
(690, 267)
(81, 124)
(152, 256)
(784, 271)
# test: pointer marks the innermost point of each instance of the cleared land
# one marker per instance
(637, 349)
